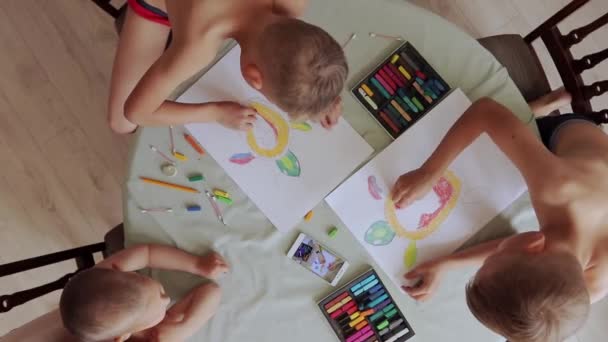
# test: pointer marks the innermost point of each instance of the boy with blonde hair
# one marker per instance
(111, 302)
(294, 64)
(535, 286)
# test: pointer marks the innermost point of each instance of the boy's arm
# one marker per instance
(147, 104)
(427, 276)
(188, 315)
(535, 162)
(153, 256)
(291, 8)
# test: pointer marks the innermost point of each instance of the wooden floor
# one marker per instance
(61, 167)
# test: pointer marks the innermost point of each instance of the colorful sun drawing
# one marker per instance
(286, 161)
(382, 233)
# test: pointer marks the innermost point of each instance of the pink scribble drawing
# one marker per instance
(374, 189)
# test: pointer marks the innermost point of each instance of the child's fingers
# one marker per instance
(416, 291)
(413, 274)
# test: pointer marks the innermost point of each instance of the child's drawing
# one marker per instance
(382, 233)
(286, 161)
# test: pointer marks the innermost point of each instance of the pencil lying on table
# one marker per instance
(168, 185)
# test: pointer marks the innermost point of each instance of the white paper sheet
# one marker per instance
(318, 162)
(482, 182)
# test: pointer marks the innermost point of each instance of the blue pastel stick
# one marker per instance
(370, 285)
(377, 301)
(429, 91)
(375, 288)
(363, 283)
(377, 294)
(419, 81)
(439, 85)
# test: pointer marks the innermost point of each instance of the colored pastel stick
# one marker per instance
(377, 301)
(351, 310)
(401, 110)
(370, 285)
(359, 333)
(367, 90)
(407, 100)
(397, 73)
(356, 321)
(409, 61)
(395, 114)
(346, 300)
(355, 315)
(404, 72)
(419, 81)
(398, 335)
(334, 308)
(388, 80)
(385, 84)
(336, 300)
(389, 308)
(391, 313)
(392, 75)
(363, 283)
(375, 288)
(364, 337)
(421, 92)
(439, 85)
(380, 88)
(376, 316)
(360, 325)
(429, 92)
(395, 324)
(420, 74)
(417, 103)
(376, 295)
(389, 122)
(368, 99)
(405, 106)
(382, 325)
(394, 59)
(348, 305)
(336, 314)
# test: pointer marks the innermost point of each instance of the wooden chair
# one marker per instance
(113, 242)
(517, 55)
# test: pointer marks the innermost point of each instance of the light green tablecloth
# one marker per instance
(267, 297)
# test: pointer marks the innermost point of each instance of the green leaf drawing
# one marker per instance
(410, 254)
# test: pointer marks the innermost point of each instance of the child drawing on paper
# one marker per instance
(298, 66)
(275, 145)
(535, 286)
(381, 233)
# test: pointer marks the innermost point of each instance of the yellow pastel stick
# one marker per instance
(367, 90)
(405, 73)
(180, 156)
(357, 321)
(308, 216)
(334, 308)
(221, 193)
(355, 315)
(346, 300)
(168, 185)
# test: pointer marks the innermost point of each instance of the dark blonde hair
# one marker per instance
(99, 304)
(305, 67)
(541, 298)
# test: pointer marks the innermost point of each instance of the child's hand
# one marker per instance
(235, 116)
(212, 266)
(330, 118)
(412, 186)
(427, 276)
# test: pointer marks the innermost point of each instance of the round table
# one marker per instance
(267, 297)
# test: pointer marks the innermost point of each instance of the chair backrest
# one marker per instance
(107, 6)
(570, 69)
(82, 255)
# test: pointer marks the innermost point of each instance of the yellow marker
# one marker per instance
(357, 321)
(180, 156)
(221, 193)
(401, 110)
(405, 73)
(308, 216)
(367, 90)
(395, 59)
(355, 315)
